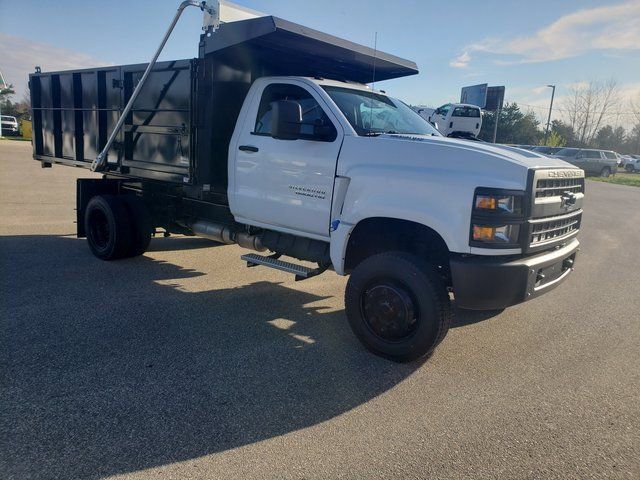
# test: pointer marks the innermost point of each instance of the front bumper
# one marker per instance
(10, 130)
(490, 283)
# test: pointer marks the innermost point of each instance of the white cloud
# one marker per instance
(461, 61)
(20, 56)
(614, 27)
(539, 90)
(577, 85)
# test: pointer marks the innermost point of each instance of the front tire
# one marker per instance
(605, 172)
(397, 306)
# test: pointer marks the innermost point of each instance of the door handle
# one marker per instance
(248, 148)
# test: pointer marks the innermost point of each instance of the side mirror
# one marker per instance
(286, 119)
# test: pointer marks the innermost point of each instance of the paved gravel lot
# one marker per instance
(185, 364)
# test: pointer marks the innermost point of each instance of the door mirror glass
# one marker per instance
(286, 119)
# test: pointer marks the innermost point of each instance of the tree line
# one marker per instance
(586, 120)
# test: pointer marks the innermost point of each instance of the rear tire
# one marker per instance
(605, 172)
(629, 168)
(141, 224)
(108, 227)
(397, 306)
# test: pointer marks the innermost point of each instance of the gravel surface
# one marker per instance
(185, 364)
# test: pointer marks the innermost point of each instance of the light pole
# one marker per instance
(2, 85)
(553, 93)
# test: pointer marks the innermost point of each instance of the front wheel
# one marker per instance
(397, 306)
(605, 172)
(629, 168)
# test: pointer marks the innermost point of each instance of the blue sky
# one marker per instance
(522, 45)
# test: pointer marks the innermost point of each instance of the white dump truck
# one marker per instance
(272, 140)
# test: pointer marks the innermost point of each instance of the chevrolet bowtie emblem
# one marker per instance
(567, 199)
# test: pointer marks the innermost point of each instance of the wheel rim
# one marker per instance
(605, 173)
(389, 311)
(99, 231)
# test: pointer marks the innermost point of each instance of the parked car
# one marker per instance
(547, 150)
(455, 119)
(592, 161)
(624, 159)
(10, 125)
(611, 155)
(633, 165)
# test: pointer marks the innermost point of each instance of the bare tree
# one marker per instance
(26, 98)
(589, 106)
(635, 107)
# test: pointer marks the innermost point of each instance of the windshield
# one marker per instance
(370, 113)
(567, 152)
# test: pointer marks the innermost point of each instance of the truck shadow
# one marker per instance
(173, 243)
(111, 368)
(462, 318)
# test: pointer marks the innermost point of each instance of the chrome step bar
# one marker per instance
(300, 271)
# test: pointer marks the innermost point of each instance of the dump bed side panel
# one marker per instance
(75, 111)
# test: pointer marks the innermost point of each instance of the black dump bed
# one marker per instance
(75, 111)
(180, 126)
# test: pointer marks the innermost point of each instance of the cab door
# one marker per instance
(440, 118)
(593, 161)
(580, 160)
(286, 185)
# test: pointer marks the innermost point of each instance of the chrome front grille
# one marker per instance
(557, 191)
(551, 187)
(554, 229)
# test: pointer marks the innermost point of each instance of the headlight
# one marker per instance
(496, 218)
(502, 234)
(498, 203)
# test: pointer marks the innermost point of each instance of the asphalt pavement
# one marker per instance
(185, 364)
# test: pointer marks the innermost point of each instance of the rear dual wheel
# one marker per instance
(117, 226)
(398, 306)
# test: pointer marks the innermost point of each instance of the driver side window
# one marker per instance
(443, 110)
(315, 126)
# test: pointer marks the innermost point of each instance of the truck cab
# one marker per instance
(252, 144)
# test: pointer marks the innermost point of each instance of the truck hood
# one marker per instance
(515, 155)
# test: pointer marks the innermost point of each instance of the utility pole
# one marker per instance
(546, 132)
(495, 124)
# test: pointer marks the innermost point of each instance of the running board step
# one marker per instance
(300, 271)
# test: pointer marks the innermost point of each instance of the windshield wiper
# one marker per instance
(375, 134)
